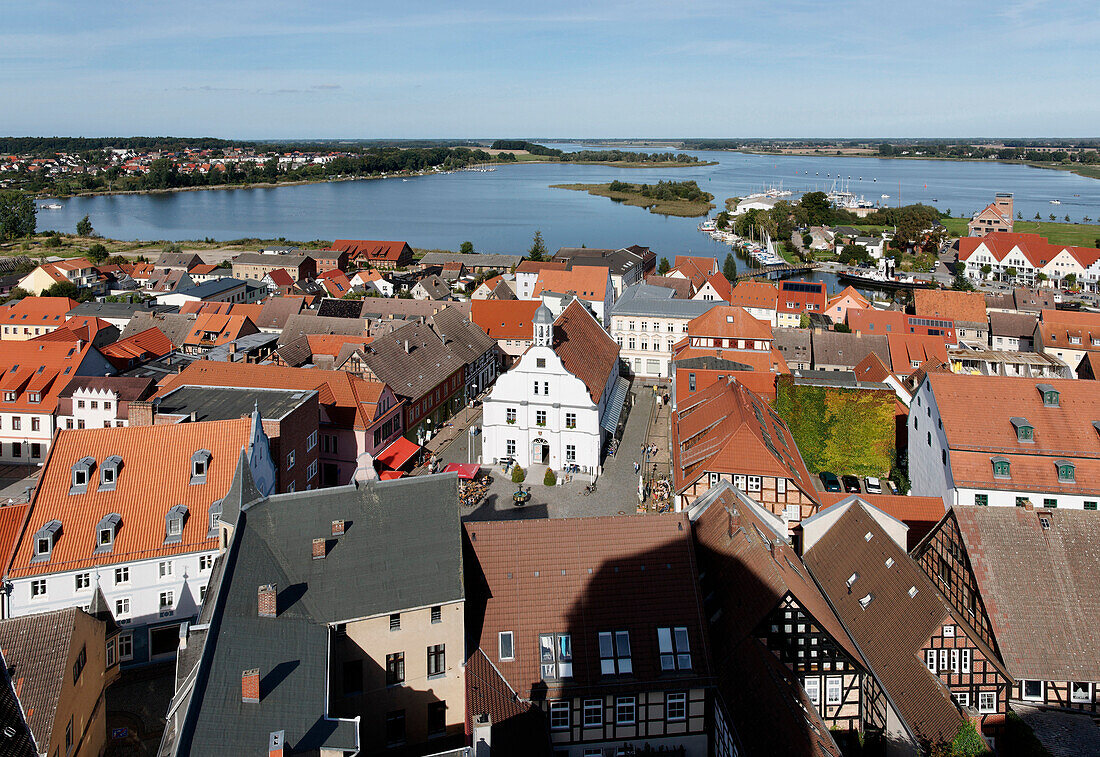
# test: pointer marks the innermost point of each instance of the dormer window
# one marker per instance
(1000, 467)
(106, 531)
(173, 524)
(45, 540)
(1066, 472)
(1025, 432)
(82, 473)
(108, 473)
(200, 464)
(1049, 394)
(215, 516)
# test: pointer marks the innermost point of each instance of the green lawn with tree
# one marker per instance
(1077, 234)
(669, 198)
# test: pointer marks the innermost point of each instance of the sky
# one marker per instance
(277, 69)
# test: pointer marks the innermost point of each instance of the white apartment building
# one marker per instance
(646, 322)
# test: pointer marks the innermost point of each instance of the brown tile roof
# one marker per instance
(36, 649)
(505, 319)
(894, 626)
(754, 294)
(1056, 599)
(726, 428)
(303, 324)
(968, 307)
(276, 311)
(465, 339)
(585, 349)
(907, 349)
(369, 249)
(1012, 324)
(412, 360)
(631, 573)
(154, 458)
(535, 266)
(1058, 327)
(920, 514)
(589, 282)
(518, 726)
(681, 287)
(125, 388)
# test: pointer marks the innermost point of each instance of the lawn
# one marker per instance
(74, 246)
(1077, 234)
(685, 208)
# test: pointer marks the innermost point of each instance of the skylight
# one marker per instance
(866, 601)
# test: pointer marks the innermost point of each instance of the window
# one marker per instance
(437, 614)
(987, 701)
(126, 646)
(437, 718)
(546, 388)
(1065, 472)
(625, 710)
(437, 660)
(833, 689)
(593, 713)
(678, 657)
(200, 463)
(1080, 692)
(676, 706)
(38, 588)
(122, 607)
(395, 668)
(69, 735)
(1090, 505)
(962, 698)
(713, 479)
(930, 659)
(167, 600)
(570, 420)
(1050, 503)
(982, 500)
(36, 422)
(1000, 468)
(81, 661)
(395, 728)
(510, 415)
(83, 581)
(559, 716)
(540, 362)
(16, 423)
(615, 653)
(536, 387)
(571, 453)
(395, 621)
(510, 447)
(164, 569)
(122, 575)
(1021, 501)
(691, 382)
(540, 417)
(290, 460)
(311, 470)
(964, 655)
(311, 441)
(506, 650)
(202, 593)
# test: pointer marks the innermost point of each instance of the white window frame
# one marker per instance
(834, 695)
(813, 690)
(678, 698)
(964, 660)
(624, 702)
(164, 569)
(87, 582)
(39, 588)
(167, 600)
(1023, 690)
(590, 707)
(962, 698)
(206, 562)
(122, 575)
(311, 441)
(559, 715)
(983, 696)
(290, 460)
(123, 607)
(500, 646)
(1073, 696)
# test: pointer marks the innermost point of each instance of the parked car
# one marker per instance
(851, 484)
(873, 485)
(829, 481)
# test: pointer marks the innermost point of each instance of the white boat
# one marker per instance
(885, 197)
(51, 206)
(1055, 202)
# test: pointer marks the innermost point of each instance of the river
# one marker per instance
(499, 211)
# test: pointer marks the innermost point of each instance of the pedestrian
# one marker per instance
(635, 466)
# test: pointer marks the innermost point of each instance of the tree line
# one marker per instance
(664, 190)
(601, 156)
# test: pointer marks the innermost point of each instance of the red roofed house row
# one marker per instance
(33, 316)
(363, 253)
(32, 376)
(869, 321)
(133, 511)
(728, 433)
(1002, 441)
(358, 417)
(1022, 257)
(598, 623)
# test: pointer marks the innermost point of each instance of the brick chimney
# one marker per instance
(250, 686)
(141, 413)
(319, 549)
(267, 599)
(337, 528)
(275, 743)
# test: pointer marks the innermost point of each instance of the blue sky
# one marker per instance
(638, 68)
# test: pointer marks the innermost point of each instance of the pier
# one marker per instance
(776, 272)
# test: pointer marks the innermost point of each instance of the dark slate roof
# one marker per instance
(1018, 325)
(436, 288)
(127, 388)
(296, 352)
(182, 260)
(793, 344)
(412, 360)
(280, 259)
(466, 340)
(211, 288)
(21, 744)
(472, 260)
(94, 309)
(229, 403)
(401, 549)
(332, 308)
(838, 348)
(617, 261)
(394, 307)
(36, 654)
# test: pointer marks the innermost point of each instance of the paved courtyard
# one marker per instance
(616, 489)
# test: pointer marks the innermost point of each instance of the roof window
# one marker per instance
(866, 601)
(912, 591)
(45, 539)
(173, 524)
(1049, 395)
(81, 474)
(1025, 432)
(1044, 521)
(851, 580)
(1066, 471)
(1001, 467)
(868, 536)
(108, 473)
(106, 531)
(200, 464)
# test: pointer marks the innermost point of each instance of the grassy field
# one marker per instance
(73, 246)
(1078, 234)
(682, 208)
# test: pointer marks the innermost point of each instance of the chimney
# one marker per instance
(337, 528)
(141, 413)
(275, 743)
(267, 600)
(482, 736)
(320, 548)
(406, 346)
(250, 686)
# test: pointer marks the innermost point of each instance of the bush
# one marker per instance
(968, 742)
(53, 241)
(550, 479)
(518, 474)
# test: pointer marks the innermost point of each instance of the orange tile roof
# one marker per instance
(36, 366)
(589, 282)
(721, 285)
(226, 328)
(144, 345)
(909, 351)
(350, 401)
(729, 322)
(155, 475)
(504, 319)
(950, 304)
(693, 270)
(728, 429)
(585, 349)
(36, 311)
(853, 293)
(705, 265)
(871, 368)
(1058, 329)
(331, 344)
(203, 268)
(12, 518)
(754, 294)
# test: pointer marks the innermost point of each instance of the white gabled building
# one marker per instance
(133, 512)
(562, 398)
(1022, 257)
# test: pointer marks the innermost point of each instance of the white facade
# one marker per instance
(646, 343)
(93, 408)
(25, 437)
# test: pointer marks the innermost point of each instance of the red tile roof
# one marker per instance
(38, 366)
(754, 294)
(224, 328)
(154, 459)
(505, 319)
(370, 249)
(1036, 249)
(950, 304)
(721, 285)
(909, 351)
(12, 518)
(141, 347)
(589, 282)
(36, 311)
(585, 349)
(729, 322)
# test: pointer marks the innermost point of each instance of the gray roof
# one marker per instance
(395, 307)
(259, 343)
(417, 371)
(466, 339)
(229, 403)
(211, 288)
(435, 286)
(836, 380)
(95, 309)
(401, 549)
(278, 259)
(617, 261)
(472, 260)
(793, 344)
(839, 348)
(277, 310)
(1012, 324)
(307, 323)
(659, 302)
(182, 260)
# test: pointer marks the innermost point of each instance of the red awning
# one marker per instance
(390, 475)
(464, 470)
(398, 453)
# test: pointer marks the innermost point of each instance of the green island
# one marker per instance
(522, 151)
(666, 198)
